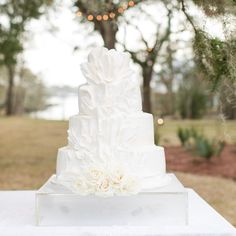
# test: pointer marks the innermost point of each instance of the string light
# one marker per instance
(131, 3)
(105, 17)
(160, 121)
(79, 13)
(112, 15)
(90, 17)
(125, 6)
(109, 15)
(99, 17)
(120, 10)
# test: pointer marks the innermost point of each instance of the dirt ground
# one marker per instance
(178, 159)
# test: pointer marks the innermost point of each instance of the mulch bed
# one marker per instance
(179, 159)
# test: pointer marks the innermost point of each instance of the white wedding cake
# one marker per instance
(111, 148)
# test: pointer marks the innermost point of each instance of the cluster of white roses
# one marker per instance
(106, 182)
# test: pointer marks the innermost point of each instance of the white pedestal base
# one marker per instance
(162, 206)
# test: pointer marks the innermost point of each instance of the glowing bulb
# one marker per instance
(79, 13)
(120, 10)
(112, 15)
(99, 17)
(90, 17)
(160, 121)
(131, 3)
(125, 6)
(105, 17)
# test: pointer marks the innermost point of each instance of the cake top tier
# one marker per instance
(106, 66)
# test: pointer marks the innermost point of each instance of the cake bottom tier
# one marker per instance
(147, 163)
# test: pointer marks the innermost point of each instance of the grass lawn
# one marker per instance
(224, 130)
(28, 157)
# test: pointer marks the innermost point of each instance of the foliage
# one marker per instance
(192, 96)
(200, 145)
(30, 93)
(215, 58)
(227, 99)
(207, 148)
(183, 135)
(17, 14)
(216, 8)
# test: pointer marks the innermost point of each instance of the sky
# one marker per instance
(51, 55)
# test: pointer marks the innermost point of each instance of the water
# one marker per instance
(65, 106)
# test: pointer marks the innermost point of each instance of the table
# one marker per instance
(17, 218)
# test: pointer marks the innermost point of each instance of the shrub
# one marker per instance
(203, 147)
(200, 145)
(207, 148)
(184, 135)
(192, 96)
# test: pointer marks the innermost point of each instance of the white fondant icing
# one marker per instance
(111, 134)
(122, 97)
(125, 131)
(144, 162)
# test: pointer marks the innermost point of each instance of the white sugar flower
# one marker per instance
(129, 185)
(105, 66)
(106, 182)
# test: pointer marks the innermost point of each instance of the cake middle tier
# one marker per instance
(114, 131)
(111, 98)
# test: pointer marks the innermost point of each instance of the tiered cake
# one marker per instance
(111, 172)
(111, 146)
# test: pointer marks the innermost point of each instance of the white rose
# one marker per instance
(117, 179)
(129, 185)
(95, 174)
(104, 188)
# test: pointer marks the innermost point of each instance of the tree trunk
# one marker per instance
(147, 76)
(9, 96)
(108, 30)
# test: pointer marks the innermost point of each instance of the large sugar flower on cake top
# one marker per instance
(106, 66)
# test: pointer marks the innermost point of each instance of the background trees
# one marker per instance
(153, 32)
(214, 57)
(14, 17)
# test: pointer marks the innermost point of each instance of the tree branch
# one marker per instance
(158, 44)
(183, 8)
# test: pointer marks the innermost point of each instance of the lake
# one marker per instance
(63, 107)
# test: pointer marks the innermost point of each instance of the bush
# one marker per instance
(200, 145)
(192, 96)
(206, 148)
(183, 135)
(203, 148)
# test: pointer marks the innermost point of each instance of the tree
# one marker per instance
(108, 29)
(97, 12)
(30, 93)
(215, 57)
(17, 14)
(192, 95)
(105, 16)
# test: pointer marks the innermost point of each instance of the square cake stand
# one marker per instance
(166, 205)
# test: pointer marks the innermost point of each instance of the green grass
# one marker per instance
(224, 130)
(28, 151)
